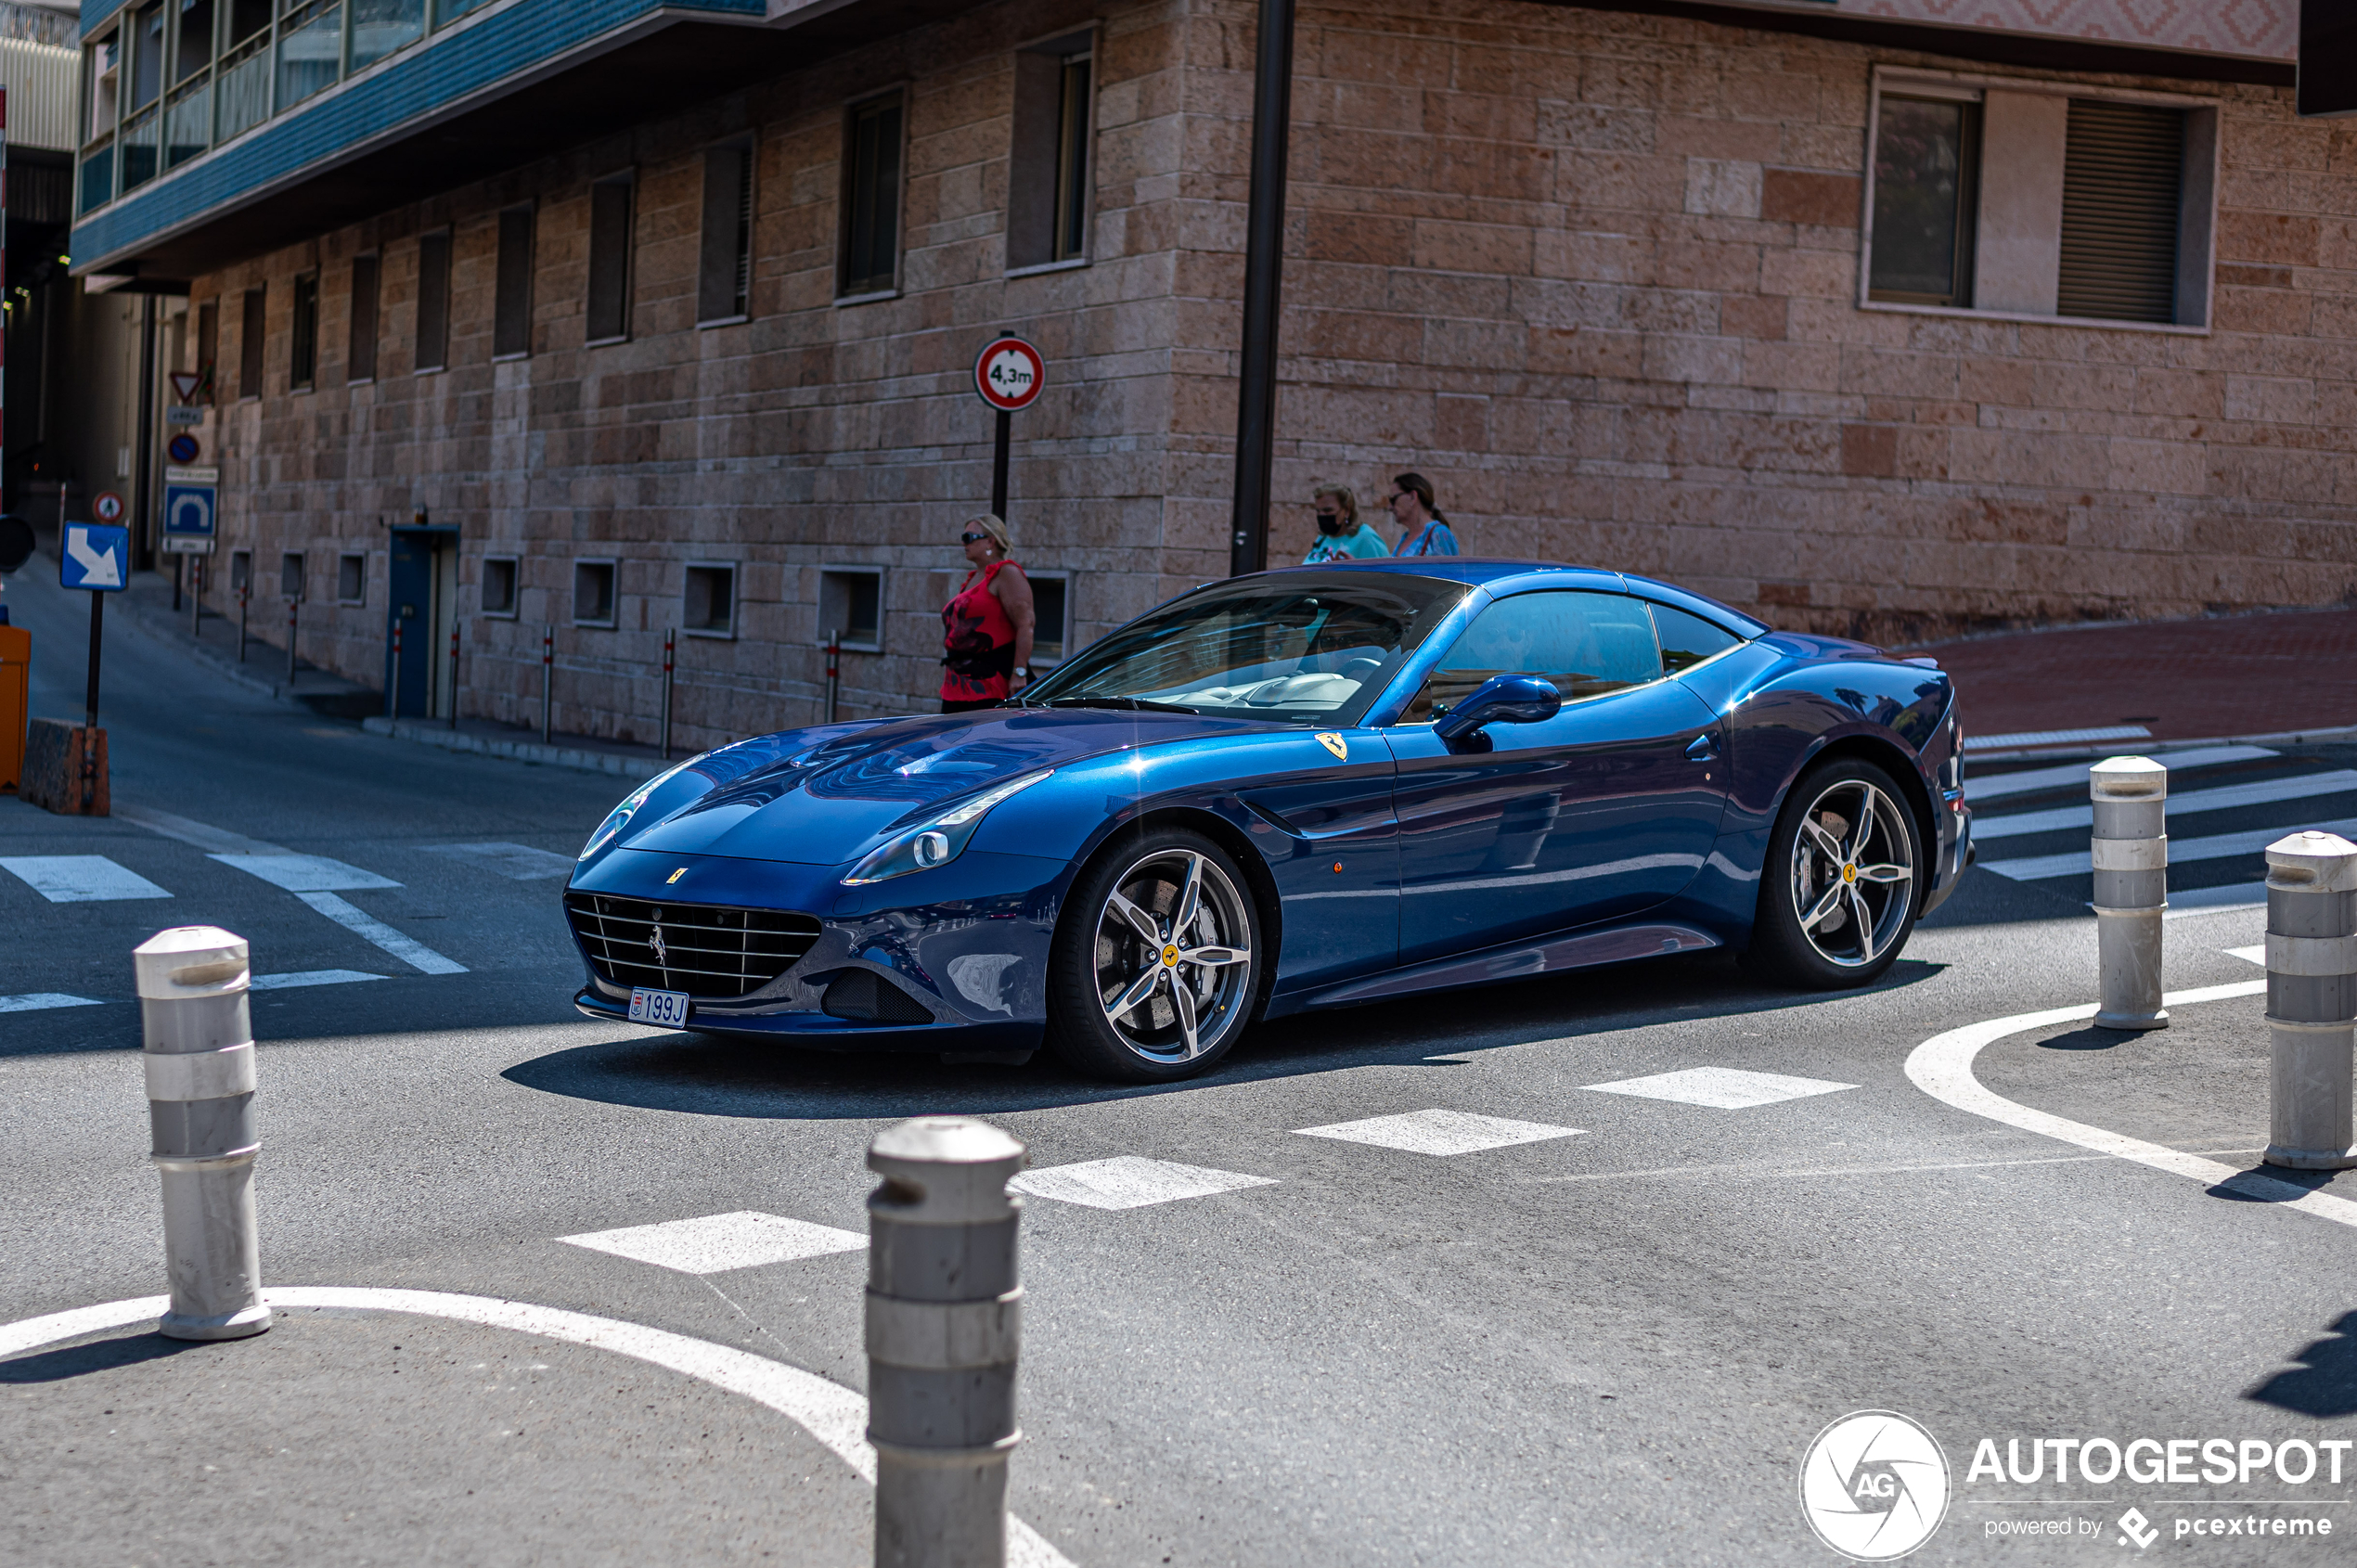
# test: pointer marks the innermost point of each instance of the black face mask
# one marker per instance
(1330, 522)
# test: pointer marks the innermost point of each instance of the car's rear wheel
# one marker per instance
(1839, 897)
(1157, 961)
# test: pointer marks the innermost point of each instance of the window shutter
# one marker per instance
(2123, 173)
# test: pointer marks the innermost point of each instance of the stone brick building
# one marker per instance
(1608, 276)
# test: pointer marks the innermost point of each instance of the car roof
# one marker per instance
(1498, 572)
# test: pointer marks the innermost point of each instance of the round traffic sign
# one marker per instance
(106, 506)
(1008, 374)
(183, 449)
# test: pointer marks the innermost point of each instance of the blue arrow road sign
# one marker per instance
(97, 557)
(187, 512)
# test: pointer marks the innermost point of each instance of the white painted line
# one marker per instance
(2218, 846)
(366, 927)
(1942, 1067)
(309, 977)
(305, 873)
(716, 1243)
(2029, 780)
(516, 862)
(2260, 792)
(36, 1000)
(1440, 1132)
(1722, 1089)
(2053, 737)
(78, 879)
(189, 831)
(2216, 900)
(2257, 955)
(833, 1414)
(1128, 1181)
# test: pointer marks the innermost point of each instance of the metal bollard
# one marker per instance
(291, 611)
(393, 687)
(547, 680)
(944, 1323)
(834, 673)
(454, 672)
(245, 600)
(201, 1082)
(670, 649)
(2311, 1000)
(2131, 851)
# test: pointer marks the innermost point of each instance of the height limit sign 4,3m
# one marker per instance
(1008, 375)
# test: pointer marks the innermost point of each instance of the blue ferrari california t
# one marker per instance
(1302, 788)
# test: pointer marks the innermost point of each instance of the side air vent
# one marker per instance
(866, 996)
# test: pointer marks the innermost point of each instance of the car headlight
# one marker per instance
(619, 819)
(940, 840)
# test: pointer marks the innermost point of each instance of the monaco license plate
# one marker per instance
(666, 1008)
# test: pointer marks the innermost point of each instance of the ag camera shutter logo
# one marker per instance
(1874, 1485)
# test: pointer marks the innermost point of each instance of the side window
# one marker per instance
(1687, 640)
(1588, 644)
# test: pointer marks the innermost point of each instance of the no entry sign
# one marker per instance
(106, 506)
(1008, 375)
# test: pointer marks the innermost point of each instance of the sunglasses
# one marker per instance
(972, 538)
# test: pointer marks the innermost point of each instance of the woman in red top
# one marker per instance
(987, 624)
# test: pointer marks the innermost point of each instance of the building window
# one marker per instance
(188, 113)
(610, 226)
(1052, 603)
(593, 595)
(434, 300)
(310, 49)
(1047, 175)
(871, 159)
(302, 336)
(291, 576)
(379, 27)
(851, 605)
(240, 571)
(1925, 200)
(208, 350)
(708, 605)
(2123, 172)
(500, 587)
(249, 340)
(360, 355)
(352, 579)
(102, 83)
(244, 72)
(511, 303)
(724, 277)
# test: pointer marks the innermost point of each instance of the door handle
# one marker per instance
(1703, 748)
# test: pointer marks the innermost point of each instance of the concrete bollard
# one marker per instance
(2311, 1000)
(2131, 851)
(201, 1082)
(944, 1322)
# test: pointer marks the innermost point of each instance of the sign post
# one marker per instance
(1008, 376)
(97, 557)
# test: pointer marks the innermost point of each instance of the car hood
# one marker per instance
(821, 796)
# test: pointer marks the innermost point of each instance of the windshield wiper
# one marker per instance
(1126, 703)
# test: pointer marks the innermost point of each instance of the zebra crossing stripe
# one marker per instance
(78, 879)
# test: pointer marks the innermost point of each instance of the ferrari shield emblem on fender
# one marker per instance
(1334, 743)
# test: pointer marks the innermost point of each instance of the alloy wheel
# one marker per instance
(1853, 873)
(1173, 959)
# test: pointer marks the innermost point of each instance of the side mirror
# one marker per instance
(1500, 700)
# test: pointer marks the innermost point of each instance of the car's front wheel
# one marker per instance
(1157, 961)
(1839, 896)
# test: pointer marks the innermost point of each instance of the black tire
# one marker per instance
(1102, 954)
(1812, 893)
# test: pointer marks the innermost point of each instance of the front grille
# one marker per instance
(712, 953)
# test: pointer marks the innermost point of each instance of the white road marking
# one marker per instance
(833, 1414)
(2053, 737)
(305, 873)
(2029, 780)
(2217, 846)
(1942, 1067)
(2259, 791)
(2257, 955)
(715, 1243)
(35, 1000)
(78, 879)
(1722, 1089)
(1440, 1132)
(308, 977)
(516, 862)
(2216, 900)
(1128, 1181)
(368, 927)
(189, 831)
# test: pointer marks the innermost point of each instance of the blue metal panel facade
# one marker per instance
(442, 70)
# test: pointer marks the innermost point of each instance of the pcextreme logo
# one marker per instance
(1874, 1485)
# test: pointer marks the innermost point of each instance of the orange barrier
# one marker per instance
(16, 698)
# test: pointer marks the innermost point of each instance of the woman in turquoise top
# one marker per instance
(1412, 507)
(1341, 536)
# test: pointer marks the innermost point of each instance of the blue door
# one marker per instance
(410, 606)
(1608, 808)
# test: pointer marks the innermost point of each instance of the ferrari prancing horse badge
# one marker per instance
(1334, 743)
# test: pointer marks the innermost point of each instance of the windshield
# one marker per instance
(1309, 647)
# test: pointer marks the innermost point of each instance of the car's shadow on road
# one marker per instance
(736, 1077)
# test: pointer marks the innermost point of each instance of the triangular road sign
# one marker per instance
(185, 384)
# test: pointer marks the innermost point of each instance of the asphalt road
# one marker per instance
(1612, 1341)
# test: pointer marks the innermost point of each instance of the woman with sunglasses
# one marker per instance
(987, 624)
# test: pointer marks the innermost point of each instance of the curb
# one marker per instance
(515, 750)
(2149, 746)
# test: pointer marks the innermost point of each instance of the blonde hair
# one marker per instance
(996, 526)
(1341, 492)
